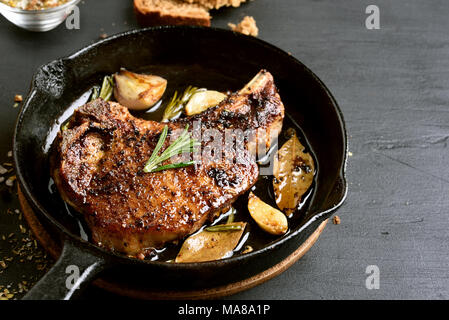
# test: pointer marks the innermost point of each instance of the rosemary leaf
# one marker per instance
(223, 227)
(95, 93)
(107, 88)
(65, 125)
(231, 216)
(158, 147)
(174, 166)
(183, 144)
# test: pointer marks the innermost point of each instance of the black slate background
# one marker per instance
(393, 87)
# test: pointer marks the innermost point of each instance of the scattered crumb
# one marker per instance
(247, 249)
(22, 229)
(350, 153)
(18, 98)
(103, 36)
(336, 220)
(246, 26)
(5, 295)
(9, 154)
(15, 249)
(10, 181)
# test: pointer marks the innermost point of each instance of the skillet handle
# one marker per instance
(338, 194)
(75, 268)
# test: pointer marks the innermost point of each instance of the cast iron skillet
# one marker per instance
(229, 60)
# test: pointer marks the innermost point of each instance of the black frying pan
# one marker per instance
(206, 57)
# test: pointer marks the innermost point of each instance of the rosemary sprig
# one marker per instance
(106, 91)
(176, 104)
(223, 227)
(183, 144)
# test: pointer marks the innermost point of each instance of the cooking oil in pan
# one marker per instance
(253, 238)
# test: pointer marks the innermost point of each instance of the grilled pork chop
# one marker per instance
(98, 162)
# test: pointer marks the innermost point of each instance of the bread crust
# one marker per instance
(148, 17)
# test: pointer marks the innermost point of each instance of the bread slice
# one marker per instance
(216, 4)
(170, 12)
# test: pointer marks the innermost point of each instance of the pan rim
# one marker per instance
(319, 216)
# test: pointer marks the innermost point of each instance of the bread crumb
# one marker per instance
(18, 98)
(350, 153)
(336, 220)
(246, 26)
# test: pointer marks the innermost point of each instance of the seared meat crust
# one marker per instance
(99, 159)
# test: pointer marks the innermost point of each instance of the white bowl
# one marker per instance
(38, 20)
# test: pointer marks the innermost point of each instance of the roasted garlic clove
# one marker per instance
(138, 91)
(268, 218)
(202, 100)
